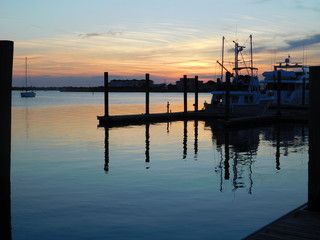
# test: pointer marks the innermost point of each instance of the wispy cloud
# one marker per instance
(103, 34)
(307, 41)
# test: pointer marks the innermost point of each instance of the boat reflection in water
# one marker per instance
(237, 148)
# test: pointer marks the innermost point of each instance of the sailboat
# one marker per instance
(27, 93)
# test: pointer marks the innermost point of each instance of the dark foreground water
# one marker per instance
(178, 180)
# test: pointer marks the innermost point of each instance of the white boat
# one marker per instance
(245, 96)
(294, 83)
(27, 93)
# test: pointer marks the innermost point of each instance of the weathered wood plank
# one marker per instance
(298, 224)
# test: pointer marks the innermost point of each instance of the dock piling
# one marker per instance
(196, 93)
(314, 133)
(185, 96)
(106, 94)
(6, 62)
(147, 93)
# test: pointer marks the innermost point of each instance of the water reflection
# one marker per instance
(240, 147)
(196, 139)
(185, 139)
(237, 148)
(106, 152)
(147, 145)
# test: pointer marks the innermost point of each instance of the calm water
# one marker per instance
(178, 180)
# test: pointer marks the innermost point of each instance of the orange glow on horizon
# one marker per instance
(132, 56)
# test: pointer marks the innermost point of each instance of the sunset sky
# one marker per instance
(72, 42)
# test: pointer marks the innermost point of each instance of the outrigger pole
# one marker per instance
(223, 68)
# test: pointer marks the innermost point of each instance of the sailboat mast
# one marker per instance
(222, 59)
(26, 72)
(251, 56)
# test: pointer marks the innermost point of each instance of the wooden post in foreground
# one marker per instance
(185, 96)
(6, 62)
(147, 92)
(314, 133)
(106, 94)
(196, 93)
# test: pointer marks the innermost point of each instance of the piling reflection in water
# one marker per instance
(185, 139)
(147, 145)
(237, 148)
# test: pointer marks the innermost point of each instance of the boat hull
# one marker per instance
(27, 94)
(240, 110)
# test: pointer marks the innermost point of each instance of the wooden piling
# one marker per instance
(314, 133)
(185, 96)
(228, 95)
(106, 94)
(278, 93)
(6, 62)
(147, 92)
(196, 93)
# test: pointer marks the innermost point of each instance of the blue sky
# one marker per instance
(72, 42)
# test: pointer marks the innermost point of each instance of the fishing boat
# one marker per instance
(245, 97)
(294, 83)
(27, 93)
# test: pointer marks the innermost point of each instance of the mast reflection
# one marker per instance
(196, 139)
(240, 146)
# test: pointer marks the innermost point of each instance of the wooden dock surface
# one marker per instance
(296, 225)
(300, 115)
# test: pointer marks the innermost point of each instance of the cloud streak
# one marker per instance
(289, 44)
(104, 34)
(308, 41)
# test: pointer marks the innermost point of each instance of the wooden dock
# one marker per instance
(287, 115)
(297, 225)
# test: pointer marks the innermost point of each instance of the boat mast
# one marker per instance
(251, 56)
(237, 49)
(26, 73)
(236, 58)
(222, 59)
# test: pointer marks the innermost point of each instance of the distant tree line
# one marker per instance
(130, 86)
